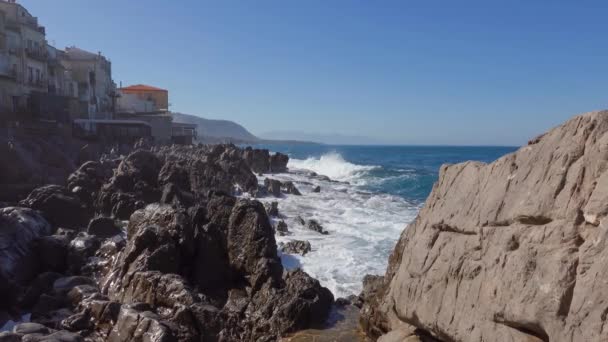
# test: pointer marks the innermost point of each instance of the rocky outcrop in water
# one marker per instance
(195, 263)
(510, 251)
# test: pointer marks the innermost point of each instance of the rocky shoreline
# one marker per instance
(171, 244)
(154, 246)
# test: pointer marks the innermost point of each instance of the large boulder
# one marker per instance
(59, 206)
(19, 228)
(510, 251)
(278, 162)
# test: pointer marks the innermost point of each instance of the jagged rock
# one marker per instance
(278, 163)
(81, 248)
(314, 225)
(509, 251)
(300, 220)
(19, 227)
(289, 188)
(272, 209)
(139, 326)
(257, 160)
(88, 179)
(282, 228)
(273, 186)
(103, 227)
(296, 247)
(316, 189)
(59, 206)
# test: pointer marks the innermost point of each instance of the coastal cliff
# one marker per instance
(514, 250)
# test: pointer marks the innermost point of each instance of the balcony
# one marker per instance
(39, 83)
(37, 54)
(6, 71)
(15, 51)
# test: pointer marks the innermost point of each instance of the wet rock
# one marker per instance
(59, 206)
(273, 187)
(134, 325)
(316, 189)
(103, 227)
(314, 225)
(88, 179)
(272, 209)
(30, 328)
(300, 220)
(19, 227)
(257, 160)
(296, 247)
(278, 163)
(282, 228)
(289, 188)
(81, 249)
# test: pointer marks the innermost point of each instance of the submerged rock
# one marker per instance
(314, 225)
(510, 251)
(296, 247)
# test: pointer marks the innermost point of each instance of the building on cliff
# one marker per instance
(143, 98)
(93, 73)
(23, 56)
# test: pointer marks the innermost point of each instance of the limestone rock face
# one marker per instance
(511, 251)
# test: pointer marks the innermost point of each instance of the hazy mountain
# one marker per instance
(332, 139)
(216, 130)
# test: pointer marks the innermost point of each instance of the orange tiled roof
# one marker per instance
(141, 87)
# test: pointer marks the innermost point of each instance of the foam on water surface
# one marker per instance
(363, 226)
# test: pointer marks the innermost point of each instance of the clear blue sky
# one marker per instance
(422, 72)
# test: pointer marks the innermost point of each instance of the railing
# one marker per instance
(38, 54)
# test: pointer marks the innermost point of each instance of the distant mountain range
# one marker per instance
(223, 131)
(330, 139)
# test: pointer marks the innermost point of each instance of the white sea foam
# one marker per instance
(363, 227)
(333, 166)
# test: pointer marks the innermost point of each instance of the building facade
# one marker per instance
(23, 57)
(93, 74)
(143, 98)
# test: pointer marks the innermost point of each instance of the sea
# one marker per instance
(373, 193)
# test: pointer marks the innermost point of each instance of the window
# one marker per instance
(30, 74)
(37, 75)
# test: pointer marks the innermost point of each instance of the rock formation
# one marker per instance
(195, 263)
(510, 251)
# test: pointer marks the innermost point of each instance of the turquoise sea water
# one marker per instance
(406, 171)
(375, 192)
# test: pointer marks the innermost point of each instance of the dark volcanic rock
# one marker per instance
(273, 186)
(316, 226)
(60, 207)
(197, 264)
(278, 163)
(317, 189)
(272, 209)
(103, 227)
(296, 247)
(290, 188)
(257, 160)
(282, 228)
(19, 227)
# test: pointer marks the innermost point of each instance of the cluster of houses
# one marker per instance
(39, 82)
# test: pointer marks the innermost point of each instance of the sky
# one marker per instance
(400, 72)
